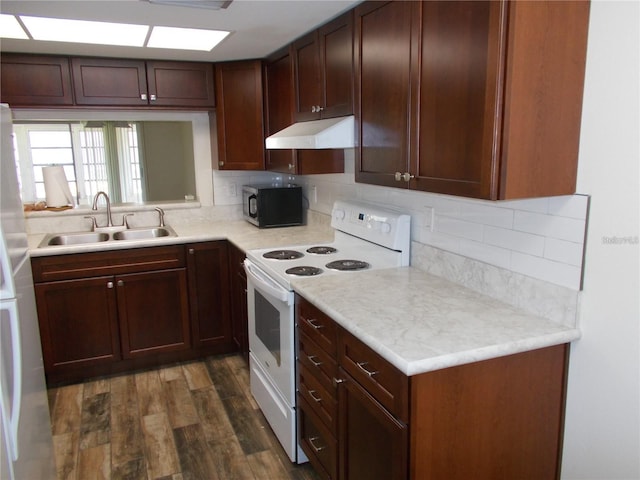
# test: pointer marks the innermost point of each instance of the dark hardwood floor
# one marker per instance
(189, 421)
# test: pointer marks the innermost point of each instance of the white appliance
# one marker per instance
(26, 448)
(366, 237)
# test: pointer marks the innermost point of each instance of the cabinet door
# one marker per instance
(372, 443)
(239, 117)
(459, 107)
(181, 84)
(385, 83)
(239, 314)
(153, 311)
(208, 266)
(35, 80)
(336, 58)
(103, 81)
(278, 83)
(78, 323)
(307, 78)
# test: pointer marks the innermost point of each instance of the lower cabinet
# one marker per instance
(496, 419)
(239, 315)
(113, 311)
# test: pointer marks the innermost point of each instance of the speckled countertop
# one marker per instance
(416, 321)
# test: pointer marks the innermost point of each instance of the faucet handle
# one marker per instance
(94, 222)
(125, 220)
(161, 213)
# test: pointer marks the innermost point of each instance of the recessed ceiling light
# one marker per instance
(82, 31)
(185, 38)
(10, 28)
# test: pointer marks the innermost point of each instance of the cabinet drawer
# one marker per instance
(317, 361)
(317, 442)
(317, 326)
(381, 379)
(315, 394)
(83, 265)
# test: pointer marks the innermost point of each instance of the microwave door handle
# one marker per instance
(267, 285)
(253, 205)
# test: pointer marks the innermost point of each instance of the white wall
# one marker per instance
(602, 430)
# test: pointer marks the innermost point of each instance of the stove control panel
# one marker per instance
(378, 224)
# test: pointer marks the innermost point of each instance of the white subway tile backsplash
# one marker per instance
(538, 205)
(563, 251)
(487, 215)
(574, 206)
(513, 240)
(458, 228)
(548, 270)
(563, 228)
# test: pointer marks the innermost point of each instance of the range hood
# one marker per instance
(315, 134)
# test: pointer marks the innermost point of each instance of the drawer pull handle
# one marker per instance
(312, 359)
(338, 381)
(312, 322)
(312, 441)
(361, 366)
(312, 394)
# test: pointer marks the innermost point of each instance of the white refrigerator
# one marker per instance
(26, 447)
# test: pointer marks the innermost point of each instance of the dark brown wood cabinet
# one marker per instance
(323, 71)
(32, 80)
(239, 314)
(239, 116)
(278, 84)
(115, 311)
(360, 417)
(479, 99)
(106, 82)
(209, 280)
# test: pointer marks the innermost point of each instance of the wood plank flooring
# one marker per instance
(189, 421)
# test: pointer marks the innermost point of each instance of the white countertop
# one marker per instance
(416, 321)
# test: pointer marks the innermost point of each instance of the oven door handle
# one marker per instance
(268, 286)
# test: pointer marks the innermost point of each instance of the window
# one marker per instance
(95, 155)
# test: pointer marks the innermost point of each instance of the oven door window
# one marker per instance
(267, 325)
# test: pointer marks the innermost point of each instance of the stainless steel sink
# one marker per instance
(144, 233)
(75, 238)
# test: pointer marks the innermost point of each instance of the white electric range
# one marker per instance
(367, 237)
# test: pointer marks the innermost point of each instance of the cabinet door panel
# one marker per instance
(308, 93)
(78, 323)
(209, 293)
(459, 109)
(384, 84)
(102, 81)
(239, 116)
(239, 315)
(35, 80)
(373, 444)
(336, 55)
(181, 84)
(153, 311)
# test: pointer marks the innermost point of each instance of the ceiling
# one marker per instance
(258, 27)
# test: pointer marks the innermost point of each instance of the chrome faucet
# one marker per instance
(161, 214)
(95, 206)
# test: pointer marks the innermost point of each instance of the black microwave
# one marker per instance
(272, 205)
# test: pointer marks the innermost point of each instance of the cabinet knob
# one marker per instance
(120, 283)
(192, 251)
(291, 166)
(338, 381)
(109, 284)
(143, 96)
(221, 163)
(404, 177)
(153, 98)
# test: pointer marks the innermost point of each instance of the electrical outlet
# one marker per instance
(233, 190)
(314, 194)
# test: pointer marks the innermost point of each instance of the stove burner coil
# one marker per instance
(321, 250)
(283, 255)
(304, 271)
(347, 265)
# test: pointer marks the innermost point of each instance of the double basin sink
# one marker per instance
(80, 238)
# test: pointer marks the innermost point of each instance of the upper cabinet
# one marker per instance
(323, 71)
(30, 80)
(103, 81)
(478, 99)
(239, 115)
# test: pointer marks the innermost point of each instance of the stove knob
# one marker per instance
(339, 214)
(385, 227)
